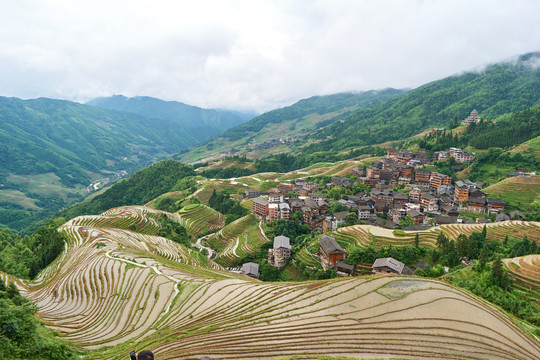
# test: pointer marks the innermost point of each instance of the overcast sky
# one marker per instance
(250, 55)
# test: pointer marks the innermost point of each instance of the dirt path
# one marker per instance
(211, 252)
(236, 246)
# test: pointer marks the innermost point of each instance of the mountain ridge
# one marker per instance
(180, 113)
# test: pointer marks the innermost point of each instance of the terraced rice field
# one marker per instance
(525, 269)
(140, 291)
(237, 239)
(201, 219)
(364, 235)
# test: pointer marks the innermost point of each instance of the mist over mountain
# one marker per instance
(215, 121)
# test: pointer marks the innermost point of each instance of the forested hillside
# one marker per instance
(278, 129)
(214, 121)
(51, 150)
(499, 89)
(140, 188)
(314, 105)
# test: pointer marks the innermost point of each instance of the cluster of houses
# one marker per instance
(427, 197)
(461, 156)
(331, 254)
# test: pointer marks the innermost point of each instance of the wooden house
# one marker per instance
(331, 252)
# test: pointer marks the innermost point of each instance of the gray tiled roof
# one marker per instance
(282, 242)
(250, 269)
(260, 201)
(389, 262)
(330, 245)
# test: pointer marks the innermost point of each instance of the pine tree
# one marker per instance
(497, 271)
(416, 240)
(483, 258)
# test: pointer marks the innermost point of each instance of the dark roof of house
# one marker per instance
(483, 221)
(502, 217)
(399, 195)
(391, 225)
(441, 219)
(330, 245)
(420, 265)
(495, 201)
(311, 204)
(407, 271)
(340, 215)
(390, 263)
(282, 242)
(414, 213)
(342, 265)
(481, 201)
(260, 201)
(518, 213)
(250, 269)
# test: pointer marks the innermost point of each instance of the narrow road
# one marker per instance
(211, 252)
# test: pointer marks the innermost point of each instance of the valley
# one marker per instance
(377, 224)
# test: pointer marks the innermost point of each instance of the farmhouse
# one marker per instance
(495, 205)
(331, 252)
(251, 269)
(390, 266)
(250, 194)
(280, 252)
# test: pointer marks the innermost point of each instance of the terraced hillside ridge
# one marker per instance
(364, 235)
(525, 269)
(237, 239)
(127, 290)
(199, 218)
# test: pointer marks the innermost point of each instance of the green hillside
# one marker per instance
(499, 89)
(51, 150)
(213, 121)
(258, 136)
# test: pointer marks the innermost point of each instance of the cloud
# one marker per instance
(250, 54)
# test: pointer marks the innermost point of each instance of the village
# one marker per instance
(402, 195)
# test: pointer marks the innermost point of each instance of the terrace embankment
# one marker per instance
(127, 289)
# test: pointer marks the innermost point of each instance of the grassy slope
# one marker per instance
(519, 192)
(297, 120)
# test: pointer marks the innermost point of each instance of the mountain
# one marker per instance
(290, 123)
(214, 121)
(51, 150)
(499, 89)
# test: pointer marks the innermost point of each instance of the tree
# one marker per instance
(442, 242)
(268, 272)
(497, 271)
(406, 221)
(350, 219)
(417, 240)
(482, 260)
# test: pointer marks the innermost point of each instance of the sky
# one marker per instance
(251, 55)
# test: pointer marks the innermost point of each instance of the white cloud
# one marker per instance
(250, 54)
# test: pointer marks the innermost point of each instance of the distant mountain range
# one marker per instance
(51, 150)
(348, 121)
(275, 130)
(186, 116)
